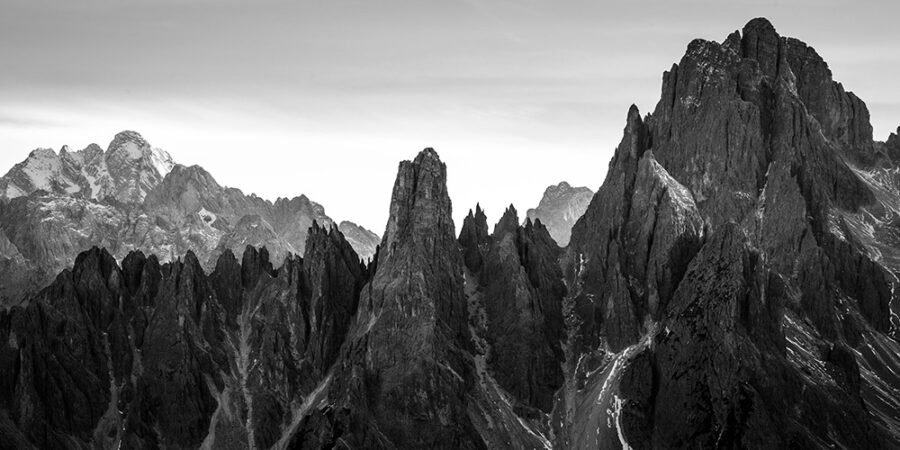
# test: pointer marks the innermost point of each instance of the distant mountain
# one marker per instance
(365, 242)
(134, 197)
(559, 208)
(126, 171)
(733, 284)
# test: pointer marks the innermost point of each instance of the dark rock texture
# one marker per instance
(559, 208)
(410, 375)
(406, 376)
(474, 238)
(150, 356)
(125, 172)
(741, 244)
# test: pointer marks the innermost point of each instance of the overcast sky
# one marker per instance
(325, 97)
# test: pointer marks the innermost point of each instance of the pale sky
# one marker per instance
(324, 98)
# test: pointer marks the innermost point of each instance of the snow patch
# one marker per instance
(616, 415)
(161, 161)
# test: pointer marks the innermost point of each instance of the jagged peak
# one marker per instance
(634, 114)
(477, 213)
(225, 259)
(97, 257)
(190, 259)
(323, 229)
(124, 137)
(296, 202)
(427, 154)
(474, 229)
(419, 199)
(192, 172)
(42, 153)
(509, 222)
(253, 264)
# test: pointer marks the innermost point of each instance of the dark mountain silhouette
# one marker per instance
(732, 284)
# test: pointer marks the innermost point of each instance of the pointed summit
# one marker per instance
(420, 203)
(472, 235)
(122, 140)
(412, 378)
(508, 223)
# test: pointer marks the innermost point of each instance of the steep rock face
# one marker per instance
(134, 168)
(336, 278)
(406, 377)
(287, 326)
(629, 251)
(521, 291)
(473, 237)
(892, 145)
(148, 356)
(727, 314)
(180, 362)
(771, 176)
(19, 276)
(254, 231)
(559, 208)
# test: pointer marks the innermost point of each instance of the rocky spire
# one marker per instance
(508, 223)
(740, 189)
(522, 291)
(473, 234)
(559, 208)
(406, 370)
(893, 146)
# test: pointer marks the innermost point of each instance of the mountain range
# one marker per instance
(731, 284)
(133, 196)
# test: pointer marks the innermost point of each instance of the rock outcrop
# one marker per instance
(405, 378)
(732, 284)
(559, 208)
(125, 172)
(521, 291)
(738, 247)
